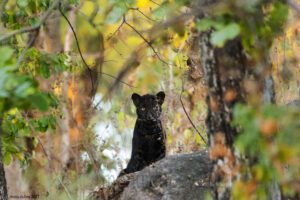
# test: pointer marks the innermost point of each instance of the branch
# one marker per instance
(31, 28)
(117, 30)
(30, 43)
(199, 10)
(78, 47)
(83, 60)
(65, 188)
(117, 79)
(155, 3)
(138, 10)
(132, 62)
(180, 98)
(94, 12)
(149, 43)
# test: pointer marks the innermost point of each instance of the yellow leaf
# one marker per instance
(13, 111)
(289, 34)
(143, 4)
(20, 156)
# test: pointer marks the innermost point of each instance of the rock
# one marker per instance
(183, 176)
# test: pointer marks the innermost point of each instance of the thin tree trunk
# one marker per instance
(48, 41)
(269, 97)
(64, 124)
(52, 44)
(3, 187)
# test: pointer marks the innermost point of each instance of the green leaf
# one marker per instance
(5, 54)
(204, 24)
(6, 158)
(207, 23)
(22, 3)
(278, 16)
(229, 32)
(161, 11)
(33, 21)
(24, 89)
(115, 15)
(39, 101)
(53, 100)
(44, 69)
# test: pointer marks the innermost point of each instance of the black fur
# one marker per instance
(149, 139)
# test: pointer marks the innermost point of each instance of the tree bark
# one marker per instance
(48, 41)
(224, 72)
(3, 186)
(269, 97)
(64, 123)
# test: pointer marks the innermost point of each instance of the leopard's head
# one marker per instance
(148, 107)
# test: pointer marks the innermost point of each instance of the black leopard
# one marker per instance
(149, 139)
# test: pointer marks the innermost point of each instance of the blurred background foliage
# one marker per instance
(118, 31)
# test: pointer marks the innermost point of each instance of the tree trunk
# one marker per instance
(269, 95)
(65, 121)
(270, 98)
(48, 41)
(3, 187)
(224, 72)
(80, 96)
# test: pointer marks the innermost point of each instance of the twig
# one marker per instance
(78, 47)
(29, 44)
(117, 30)
(138, 10)
(82, 58)
(131, 62)
(48, 158)
(43, 148)
(149, 43)
(155, 3)
(46, 154)
(31, 28)
(114, 77)
(65, 188)
(180, 98)
(172, 21)
(94, 12)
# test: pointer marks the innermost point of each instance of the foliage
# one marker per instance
(162, 67)
(269, 138)
(23, 13)
(44, 64)
(257, 23)
(267, 141)
(19, 93)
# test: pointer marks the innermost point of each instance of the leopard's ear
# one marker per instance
(161, 97)
(136, 99)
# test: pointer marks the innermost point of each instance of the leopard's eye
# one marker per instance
(143, 109)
